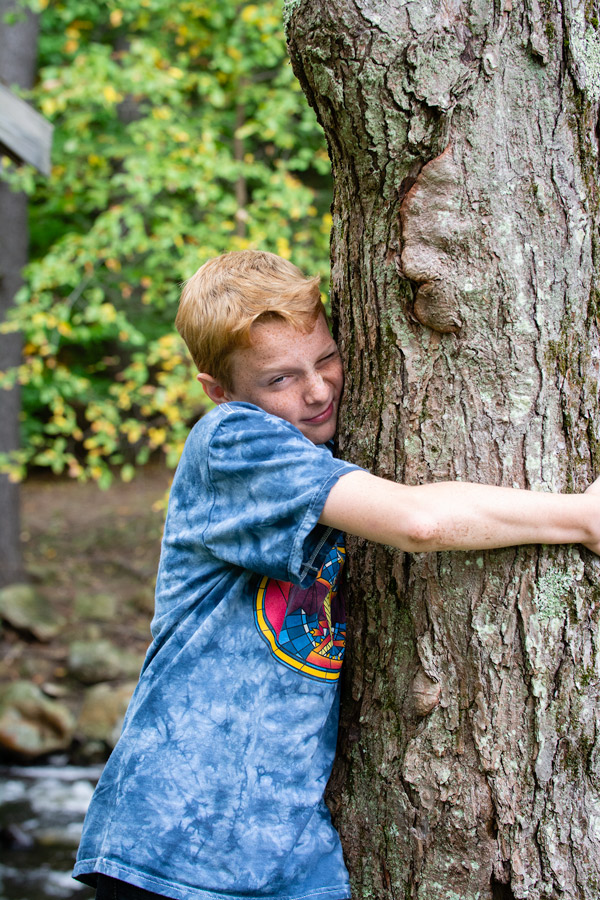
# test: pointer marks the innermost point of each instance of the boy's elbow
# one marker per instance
(421, 534)
(412, 523)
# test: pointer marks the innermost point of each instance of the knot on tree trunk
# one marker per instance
(433, 225)
(436, 306)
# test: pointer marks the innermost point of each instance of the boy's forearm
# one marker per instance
(458, 515)
(462, 516)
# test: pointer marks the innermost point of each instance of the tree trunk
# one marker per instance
(464, 143)
(18, 56)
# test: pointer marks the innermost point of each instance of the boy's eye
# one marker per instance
(279, 380)
(330, 357)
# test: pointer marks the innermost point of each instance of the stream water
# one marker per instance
(41, 814)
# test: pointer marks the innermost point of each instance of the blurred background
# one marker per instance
(179, 132)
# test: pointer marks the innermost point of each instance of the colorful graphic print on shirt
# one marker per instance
(306, 627)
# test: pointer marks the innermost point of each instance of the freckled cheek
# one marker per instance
(295, 409)
(281, 407)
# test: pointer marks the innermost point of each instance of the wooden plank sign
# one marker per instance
(24, 133)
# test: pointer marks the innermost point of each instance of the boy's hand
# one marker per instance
(594, 488)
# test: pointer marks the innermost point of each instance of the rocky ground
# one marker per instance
(72, 641)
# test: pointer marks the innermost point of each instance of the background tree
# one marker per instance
(180, 132)
(18, 62)
(464, 142)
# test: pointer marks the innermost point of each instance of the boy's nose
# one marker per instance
(317, 389)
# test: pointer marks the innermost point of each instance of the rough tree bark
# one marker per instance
(464, 141)
(18, 58)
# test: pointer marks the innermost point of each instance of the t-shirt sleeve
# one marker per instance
(267, 485)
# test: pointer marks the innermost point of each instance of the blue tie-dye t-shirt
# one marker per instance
(215, 789)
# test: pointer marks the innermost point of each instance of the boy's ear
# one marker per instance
(212, 388)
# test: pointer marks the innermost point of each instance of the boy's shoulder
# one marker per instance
(240, 457)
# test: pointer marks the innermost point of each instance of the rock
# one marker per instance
(54, 690)
(31, 724)
(60, 836)
(98, 607)
(23, 608)
(14, 838)
(101, 716)
(95, 661)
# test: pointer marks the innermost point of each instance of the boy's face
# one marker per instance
(290, 374)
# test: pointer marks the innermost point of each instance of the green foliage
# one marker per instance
(180, 132)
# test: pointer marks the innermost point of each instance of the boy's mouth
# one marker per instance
(322, 417)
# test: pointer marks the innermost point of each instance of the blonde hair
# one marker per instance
(229, 293)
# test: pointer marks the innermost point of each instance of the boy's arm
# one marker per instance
(460, 516)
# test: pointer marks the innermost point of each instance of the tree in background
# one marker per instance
(18, 59)
(465, 147)
(180, 133)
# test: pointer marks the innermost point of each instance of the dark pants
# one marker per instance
(112, 889)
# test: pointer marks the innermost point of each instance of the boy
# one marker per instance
(215, 788)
